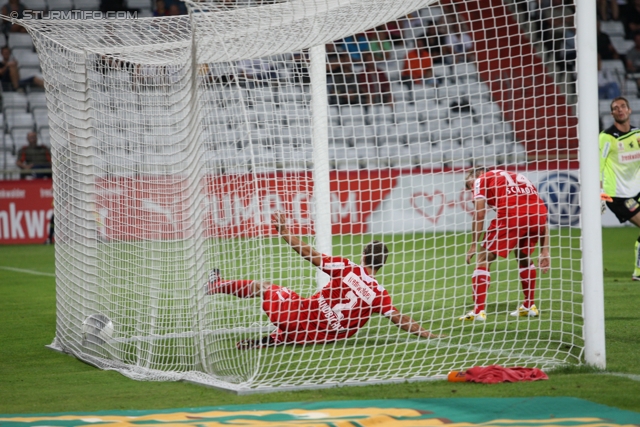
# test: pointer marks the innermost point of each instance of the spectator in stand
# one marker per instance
(606, 50)
(355, 45)
(379, 44)
(7, 9)
(446, 50)
(34, 160)
(631, 19)
(608, 86)
(633, 60)
(175, 7)
(566, 53)
(374, 83)
(332, 54)
(553, 23)
(535, 15)
(174, 10)
(160, 9)
(608, 9)
(10, 74)
(434, 42)
(394, 33)
(418, 66)
(343, 85)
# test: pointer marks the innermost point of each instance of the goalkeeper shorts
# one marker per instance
(625, 208)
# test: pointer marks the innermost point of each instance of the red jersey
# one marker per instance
(345, 304)
(510, 194)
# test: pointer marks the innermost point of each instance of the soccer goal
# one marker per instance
(174, 139)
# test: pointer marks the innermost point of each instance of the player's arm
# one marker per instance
(479, 213)
(544, 261)
(406, 323)
(605, 142)
(305, 250)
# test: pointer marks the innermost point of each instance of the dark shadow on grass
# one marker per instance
(609, 274)
(575, 369)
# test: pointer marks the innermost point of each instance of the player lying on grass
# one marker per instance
(520, 223)
(334, 313)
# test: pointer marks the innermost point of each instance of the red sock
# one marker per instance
(239, 288)
(528, 277)
(480, 280)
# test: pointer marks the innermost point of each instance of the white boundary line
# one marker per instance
(633, 377)
(21, 270)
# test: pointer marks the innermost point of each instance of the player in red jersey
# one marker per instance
(520, 223)
(334, 313)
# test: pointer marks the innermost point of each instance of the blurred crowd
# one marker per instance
(555, 20)
(359, 66)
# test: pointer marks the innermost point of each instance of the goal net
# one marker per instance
(174, 140)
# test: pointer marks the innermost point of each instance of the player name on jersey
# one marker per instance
(329, 314)
(361, 289)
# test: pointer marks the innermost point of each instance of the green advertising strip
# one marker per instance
(535, 411)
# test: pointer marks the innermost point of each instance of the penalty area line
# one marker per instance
(22, 270)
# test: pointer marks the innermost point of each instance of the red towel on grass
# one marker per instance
(498, 374)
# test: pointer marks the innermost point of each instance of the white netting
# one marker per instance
(174, 139)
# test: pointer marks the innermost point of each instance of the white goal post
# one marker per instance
(174, 139)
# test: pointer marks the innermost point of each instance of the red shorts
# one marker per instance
(504, 235)
(290, 313)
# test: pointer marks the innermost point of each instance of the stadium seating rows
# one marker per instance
(628, 85)
(237, 127)
(422, 129)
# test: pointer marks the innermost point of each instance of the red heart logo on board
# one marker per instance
(428, 205)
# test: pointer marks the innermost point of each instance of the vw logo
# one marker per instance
(561, 193)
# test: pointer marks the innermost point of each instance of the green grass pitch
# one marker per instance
(37, 380)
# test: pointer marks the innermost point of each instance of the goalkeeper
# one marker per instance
(334, 313)
(620, 170)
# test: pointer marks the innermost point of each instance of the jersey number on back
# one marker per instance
(337, 309)
(516, 187)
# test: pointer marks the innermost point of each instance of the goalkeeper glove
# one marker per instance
(604, 198)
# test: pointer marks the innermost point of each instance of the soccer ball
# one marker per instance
(97, 329)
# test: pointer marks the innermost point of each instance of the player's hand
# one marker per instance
(471, 253)
(544, 263)
(604, 198)
(279, 222)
